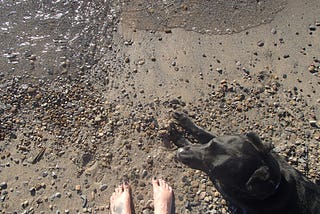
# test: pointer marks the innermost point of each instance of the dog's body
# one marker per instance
(251, 177)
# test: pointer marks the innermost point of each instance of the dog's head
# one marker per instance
(240, 166)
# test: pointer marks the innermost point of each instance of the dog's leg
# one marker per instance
(200, 134)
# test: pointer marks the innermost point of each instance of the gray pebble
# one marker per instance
(260, 43)
(147, 211)
(103, 187)
(57, 195)
(45, 174)
(3, 185)
(312, 27)
(144, 173)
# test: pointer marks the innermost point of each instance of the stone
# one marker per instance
(3, 185)
(103, 187)
(141, 61)
(260, 43)
(312, 28)
(312, 69)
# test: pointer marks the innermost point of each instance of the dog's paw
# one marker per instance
(181, 117)
(177, 115)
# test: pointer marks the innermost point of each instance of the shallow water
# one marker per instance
(204, 16)
(46, 38)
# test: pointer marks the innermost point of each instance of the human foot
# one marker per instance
(162, 196)
(120, 201)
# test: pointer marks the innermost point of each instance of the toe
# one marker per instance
(118, 190)
(126, 187)
(112, 197)
(162, 183)
(155, 182)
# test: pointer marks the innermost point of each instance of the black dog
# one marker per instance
(251, 177)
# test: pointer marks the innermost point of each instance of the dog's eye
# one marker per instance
(186, 148)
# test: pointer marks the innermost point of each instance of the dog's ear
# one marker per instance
(260, 184)
(254, 138)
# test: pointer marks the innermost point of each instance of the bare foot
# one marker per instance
(120, 201)
(162, 196)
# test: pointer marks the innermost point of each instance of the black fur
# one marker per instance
(247, 173)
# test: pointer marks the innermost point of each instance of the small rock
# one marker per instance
(140, 197)
(57, 195)
(54, 175)
(312, 27)
(25, 204)
(97, 119)
(45, 174)
(144, 173)
(202, 195)
(31, 90)
(219, 70)
(32, 191)
(33, 57)
(141, 62)
(3, 185)
(260, 43)
(312, 69)
(103, 187)
(314, 123)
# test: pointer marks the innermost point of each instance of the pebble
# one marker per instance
(32, 191)
(312, 27)
(54, 175)
(25, 204)
(260, 43)
(3, 185)
(56, 195)
(144, 173)
(141, 61)
(45, 174)
(103, 187)
(219, 70)
(312, 69)
(314, 123)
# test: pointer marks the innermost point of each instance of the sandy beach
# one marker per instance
(87, 90)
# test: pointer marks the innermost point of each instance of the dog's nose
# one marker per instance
(184, 149)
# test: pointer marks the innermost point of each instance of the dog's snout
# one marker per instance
(180, 150)
(184, 149)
